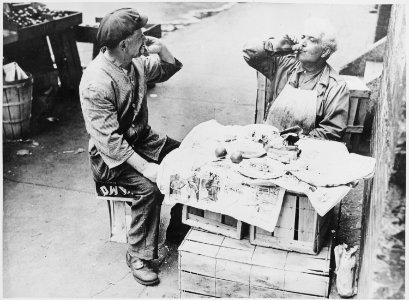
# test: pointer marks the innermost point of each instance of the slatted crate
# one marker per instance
(213, 222)
(299, 228)
(212, 265)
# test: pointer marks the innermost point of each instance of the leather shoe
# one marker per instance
(141, 270)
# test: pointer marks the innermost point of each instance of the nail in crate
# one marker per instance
(212, 265)
(213, 222)
(299, 228)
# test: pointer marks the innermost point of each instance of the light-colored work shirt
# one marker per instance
(114, 106)
(332, 91)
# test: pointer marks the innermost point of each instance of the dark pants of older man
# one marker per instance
(145, 210)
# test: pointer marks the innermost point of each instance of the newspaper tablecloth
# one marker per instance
(192, 175)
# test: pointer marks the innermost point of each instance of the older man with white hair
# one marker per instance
(305, 90)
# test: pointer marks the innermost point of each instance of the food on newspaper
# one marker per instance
(261, 168)
(248, 148)
(285, 154)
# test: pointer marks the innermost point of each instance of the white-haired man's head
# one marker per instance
(322, 29)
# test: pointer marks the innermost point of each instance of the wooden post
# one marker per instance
(67, 59)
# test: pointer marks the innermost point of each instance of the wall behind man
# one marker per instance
(382, 272)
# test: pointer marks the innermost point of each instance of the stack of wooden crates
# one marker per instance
(218, 258)
(293, 261)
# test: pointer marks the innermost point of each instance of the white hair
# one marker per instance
(322, 29)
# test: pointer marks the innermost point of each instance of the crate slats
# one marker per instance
(213, 222)
(267, 277)
(299, 228)
(232, 270)
(286, 221)
(306, 283)
(197, 283)
(231, 289)
(306, 220)
(184, 294)
(253, 271)
(203, 265)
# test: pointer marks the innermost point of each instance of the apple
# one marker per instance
(220, 151)
(236, 157)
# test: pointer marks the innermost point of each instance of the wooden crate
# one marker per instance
(213, 222)
(299, 228)
(212, 265)
(45, 28)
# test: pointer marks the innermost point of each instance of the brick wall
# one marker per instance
(382, 256)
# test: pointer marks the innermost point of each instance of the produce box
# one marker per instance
(212, 265)
(30, 21)
(213, 222)
(299, 228)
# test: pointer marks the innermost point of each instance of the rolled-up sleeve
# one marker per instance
(257, 57)
(101, 121)
(157, 70)
(335, 113)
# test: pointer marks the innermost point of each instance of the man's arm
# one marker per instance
(147, 169)
(102, 124)
(159, 70)
(264, 55)
(336, 108)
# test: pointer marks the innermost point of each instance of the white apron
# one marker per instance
(292, 107)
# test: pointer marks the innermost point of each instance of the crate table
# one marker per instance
(212, 265)
(299, 228)
(211, 221)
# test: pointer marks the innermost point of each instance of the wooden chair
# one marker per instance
(358, 103)
(117, 196)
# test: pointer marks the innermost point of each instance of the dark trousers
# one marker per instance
(145, 209)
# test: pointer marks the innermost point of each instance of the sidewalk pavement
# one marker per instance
(55, 232)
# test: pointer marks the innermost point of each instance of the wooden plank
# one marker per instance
(286, 221)
(306, 220)
(198, 284)
(232, 270)
(200, 248)
(260, 231)
(355, 129)
(306, 283)
(261, 98)
(237, 244)
(353, 106)
(269, 257)
(212, 226)
(304, 263)
(119, 199)
(264, 292)
(267, 277)
(199, 264)
(184, 294)
(205, 237)
(243, 256)
(212, 216)
(231, 289)
(278, 243)
(118, 230)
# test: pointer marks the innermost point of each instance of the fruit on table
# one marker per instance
(236, 157)
(30, 16)
(220, 151)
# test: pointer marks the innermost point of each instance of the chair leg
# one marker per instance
(118, 222)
